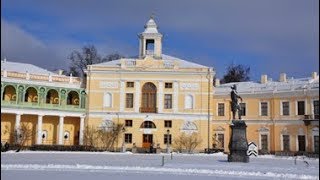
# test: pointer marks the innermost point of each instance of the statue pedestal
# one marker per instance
(238, 144)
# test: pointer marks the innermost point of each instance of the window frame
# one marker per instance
(166, 122)
(221, 111)
(168, 85)
(128, 123)
(129, 100)
(167, 102)
(128, 138)
(130, 84)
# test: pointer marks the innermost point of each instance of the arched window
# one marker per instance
(31, 95)
(149, 98)
(188, 102)
(107, 100)
(9, 93)
(148, 124)
(52, 97)
(73, 98)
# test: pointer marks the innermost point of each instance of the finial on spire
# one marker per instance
(152, 15)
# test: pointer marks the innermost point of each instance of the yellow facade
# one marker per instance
(154, 89)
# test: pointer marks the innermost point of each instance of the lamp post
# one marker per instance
(168, 148)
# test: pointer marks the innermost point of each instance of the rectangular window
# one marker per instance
(220, 109)
(128, 123)
(221, 140)
(302, 143)
(168, 85)
(167, 123)
(264, 108)
(285, 108)
(130, 84)
(168, 101)
(264, 142)
(167, 139)
(128, 138)
(243, 109)
(129, 100)
(316, 144)
(286, 142)
(316, 107)
(301, 108)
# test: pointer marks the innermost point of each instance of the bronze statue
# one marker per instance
(235, 106)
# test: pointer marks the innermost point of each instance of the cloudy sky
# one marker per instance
(270, 36)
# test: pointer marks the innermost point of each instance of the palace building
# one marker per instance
(157, 98)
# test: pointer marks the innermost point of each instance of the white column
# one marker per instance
(160, 97)
(60, 139)
(81, 130)
(137, 96)
(17, 126)
(175, 96)
(122, 95)
(39, 131)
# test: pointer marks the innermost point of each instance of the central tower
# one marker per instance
(150, 41)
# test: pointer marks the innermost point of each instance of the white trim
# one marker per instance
(137, 96)
(108, 100)
(224, 108)
(39, 130)
(268, 138)
(192, 101)
(44, 112)
(268, 108)
(60, 135)
(175, 96)
(160, 97)
(122, 96)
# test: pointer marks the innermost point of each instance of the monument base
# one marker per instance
(238, 144)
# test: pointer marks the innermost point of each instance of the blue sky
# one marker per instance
(270, 36)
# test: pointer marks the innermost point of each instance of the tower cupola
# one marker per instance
(150, 41)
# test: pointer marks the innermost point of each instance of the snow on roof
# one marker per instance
(271, 86)
(151, 27)
(23, 68)
(166, 58)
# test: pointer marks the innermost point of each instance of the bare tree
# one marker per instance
(236, 73)
(187, 142)
(87, 56)
(89, 136)
(21, 135)
(108, 137)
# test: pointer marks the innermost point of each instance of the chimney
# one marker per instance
(283, 77)
(264, 79)
(314, 75)
(217, 83)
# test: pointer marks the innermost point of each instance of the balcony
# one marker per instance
(36, 105)
(308, 118)
(148, 109)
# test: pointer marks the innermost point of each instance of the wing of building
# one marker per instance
(282, 116)
(48, 107)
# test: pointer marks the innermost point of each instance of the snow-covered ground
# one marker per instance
(29, 165)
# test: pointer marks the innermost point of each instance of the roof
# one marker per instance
(23, 68)
(270, 86)
(166, 58)
(151, 27)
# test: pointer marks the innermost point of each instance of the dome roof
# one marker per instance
(151, 26)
